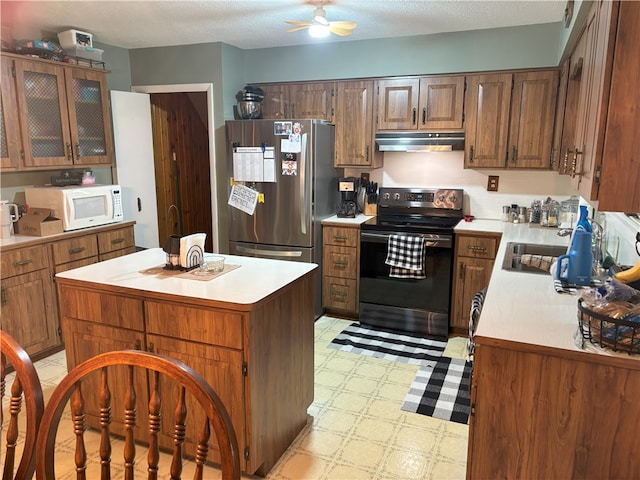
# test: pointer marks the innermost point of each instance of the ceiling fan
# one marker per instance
(321, 27)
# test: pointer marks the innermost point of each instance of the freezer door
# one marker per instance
(285, 212)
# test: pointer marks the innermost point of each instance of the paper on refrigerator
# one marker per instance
(243, 198)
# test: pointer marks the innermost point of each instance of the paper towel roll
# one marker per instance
(192, 250)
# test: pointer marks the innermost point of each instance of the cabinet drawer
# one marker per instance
(24, 260)
(340, 262)
(477, 247)
(102, 308)
(344, 236)
(74, 249)
(75, 264)
(215, 327)
(339, 293)
(115, 240)
(117, 253)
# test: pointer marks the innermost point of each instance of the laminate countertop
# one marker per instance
(525, 307)
(253, 280)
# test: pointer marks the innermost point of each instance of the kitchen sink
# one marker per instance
(515, 250)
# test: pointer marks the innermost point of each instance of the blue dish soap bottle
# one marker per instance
(583, 222)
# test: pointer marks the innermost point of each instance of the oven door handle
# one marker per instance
(439, 242)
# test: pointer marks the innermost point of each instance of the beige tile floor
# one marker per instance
(356, 429)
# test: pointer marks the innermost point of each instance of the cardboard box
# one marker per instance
(38, 222)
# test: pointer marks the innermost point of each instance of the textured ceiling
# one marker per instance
(261, 23)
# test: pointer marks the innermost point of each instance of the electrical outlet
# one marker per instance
(364, 178)
(492, 183)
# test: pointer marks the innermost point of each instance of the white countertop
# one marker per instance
(524, 307)
(255, 279)
(360, 218)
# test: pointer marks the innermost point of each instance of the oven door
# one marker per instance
(406, 304)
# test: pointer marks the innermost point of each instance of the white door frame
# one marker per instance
(197, 87)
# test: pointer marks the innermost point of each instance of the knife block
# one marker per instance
(370, 208)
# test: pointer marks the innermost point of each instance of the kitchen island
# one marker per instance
(542, 404)
(248, 331)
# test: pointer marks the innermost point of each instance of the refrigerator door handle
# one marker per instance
(304, 213)
(271, 253)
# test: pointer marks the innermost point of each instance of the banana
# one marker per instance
(630, 275)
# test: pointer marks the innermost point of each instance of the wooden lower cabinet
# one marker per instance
(474, 259)
(548, 413)
(340, 268)
(259, 359)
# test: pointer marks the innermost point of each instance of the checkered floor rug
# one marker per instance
(398, 347)
(441, 390)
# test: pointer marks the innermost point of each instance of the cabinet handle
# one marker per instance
(424, 116)
(22, 263)
(69, 152)
(3, 301)
(138, 345)
(477, 248)
(339, 238)
(117, 240)
(151, 348)
(514, 153)
(340, 263)
(471, 154)
(461, 270)
(565, 162)
(574, 163)
(413, 122)
(77, 150)
(366, 153)
(73, 251)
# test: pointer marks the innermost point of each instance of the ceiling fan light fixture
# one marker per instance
(319, 30)
(320, 16)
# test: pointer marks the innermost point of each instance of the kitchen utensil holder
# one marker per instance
(370, 208)
(619, 335)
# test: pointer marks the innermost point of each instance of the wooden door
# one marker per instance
(533, 103)
(10, 144)
(89, 117)
(312, 100)
(473, 274)
(441, 103)
(397, 104)
(276, 101)
(29, 310)
(181, 158)
(487, 104)
(354, 125)
(43, 114)
(567, 110)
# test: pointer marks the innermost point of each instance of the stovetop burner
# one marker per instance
(417, 209)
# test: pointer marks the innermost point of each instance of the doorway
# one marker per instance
(183, 145)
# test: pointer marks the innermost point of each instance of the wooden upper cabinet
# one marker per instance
(312, 100)
(298, 101)
(441, 103)
(10, 143)
(425, 103)
(533, 104)
(487, 103)
(355, 144)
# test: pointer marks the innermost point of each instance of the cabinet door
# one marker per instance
(397, 104)
(441, 103)
(472, 274)
(486, 109)
(222, 369)
(43, 114)
(89, 118)
(10, 145)
(355, 145)
(312, 100)
(533, 104)
(29, 311)
(276, 101)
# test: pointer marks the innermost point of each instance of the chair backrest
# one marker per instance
(25, 385)
(158, 367)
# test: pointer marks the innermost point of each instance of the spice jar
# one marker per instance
(506, 213)
(522, 214)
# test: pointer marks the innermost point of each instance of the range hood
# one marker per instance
(420, 141)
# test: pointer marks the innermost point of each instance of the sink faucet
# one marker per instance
(598, 235)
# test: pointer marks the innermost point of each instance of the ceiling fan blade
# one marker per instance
(297, 28)
(343, 32)
(305, 24)
(343, 24)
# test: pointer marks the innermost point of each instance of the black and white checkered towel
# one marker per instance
(405, 256)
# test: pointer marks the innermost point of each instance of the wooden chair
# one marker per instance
(26, 384)
(158, 367)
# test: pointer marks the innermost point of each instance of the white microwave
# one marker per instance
(79, 206)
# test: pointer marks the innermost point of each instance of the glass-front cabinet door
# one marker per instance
(44, 120)
(89, 117)
(9, 128)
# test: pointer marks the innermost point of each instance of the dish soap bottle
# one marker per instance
(583, 222)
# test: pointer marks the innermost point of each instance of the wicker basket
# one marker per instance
(618, 334)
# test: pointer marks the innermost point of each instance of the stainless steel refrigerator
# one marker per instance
(299, 189)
